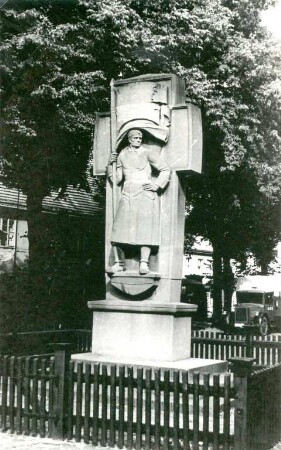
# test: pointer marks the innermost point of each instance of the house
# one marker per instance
(199, 259)
(77, 206)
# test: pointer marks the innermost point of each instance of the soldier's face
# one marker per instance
(135, 141)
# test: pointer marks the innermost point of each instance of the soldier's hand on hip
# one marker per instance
(150, 187)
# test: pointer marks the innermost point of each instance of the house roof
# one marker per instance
(75, 201)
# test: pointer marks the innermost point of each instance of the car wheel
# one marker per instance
(264, 326)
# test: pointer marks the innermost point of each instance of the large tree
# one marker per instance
(57, 64)
(48, 104)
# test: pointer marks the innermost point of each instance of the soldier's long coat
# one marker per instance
(137, 218)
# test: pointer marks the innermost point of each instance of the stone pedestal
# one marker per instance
(191, 365)
(141, 330)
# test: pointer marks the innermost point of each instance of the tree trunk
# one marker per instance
(217, 284)
(36, 239)
(264, 267)
(228, 281)
(36, 285)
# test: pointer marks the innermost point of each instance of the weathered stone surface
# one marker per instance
(142, 330)
(132, 284)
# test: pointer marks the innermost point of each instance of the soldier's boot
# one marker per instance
(144, 268)
(118, 266)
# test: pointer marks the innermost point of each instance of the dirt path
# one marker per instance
(20, 442)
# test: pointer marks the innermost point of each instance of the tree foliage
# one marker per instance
(48, 101)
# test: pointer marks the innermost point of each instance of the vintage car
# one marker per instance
(258, 303)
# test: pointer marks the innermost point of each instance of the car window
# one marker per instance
(269, 298)
(249, 297)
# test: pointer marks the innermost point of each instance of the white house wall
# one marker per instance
(22, 243)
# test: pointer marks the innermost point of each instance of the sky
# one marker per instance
(272, 20)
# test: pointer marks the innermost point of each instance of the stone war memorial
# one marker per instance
(144, 147)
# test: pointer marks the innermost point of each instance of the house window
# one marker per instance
(7, 232)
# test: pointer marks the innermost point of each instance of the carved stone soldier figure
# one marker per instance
(137, 218)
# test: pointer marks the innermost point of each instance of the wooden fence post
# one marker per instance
(242, 369)
(60, 389)
(249, 340)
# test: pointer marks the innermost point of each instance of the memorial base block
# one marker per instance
(141, 330)
(191, 365)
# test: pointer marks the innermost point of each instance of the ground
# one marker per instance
(19, 442)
